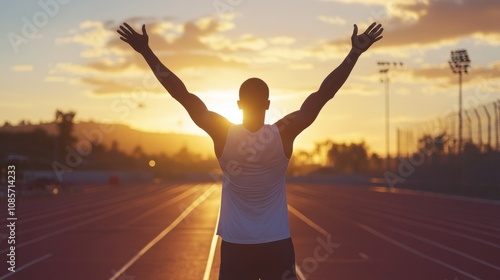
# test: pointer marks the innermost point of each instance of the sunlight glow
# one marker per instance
(225, 104)
(231, 112)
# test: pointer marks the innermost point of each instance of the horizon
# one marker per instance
(72, 58)
(197, 145)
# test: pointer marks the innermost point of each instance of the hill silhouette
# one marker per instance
(128, 138)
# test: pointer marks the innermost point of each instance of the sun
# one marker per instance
(224, 103)
(230, 111)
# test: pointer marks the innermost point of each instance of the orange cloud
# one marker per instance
(203, 46)
(197, 44)
(443, 73)
(434, 22)
(440, 21)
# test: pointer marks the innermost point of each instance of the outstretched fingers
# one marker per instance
(125, 30)
(131, 30)
(377, 30)
(371, 35)
(139, 42)
(123, 34)
(125, 40)
(376, 34)
(378, 38)
(369, 29)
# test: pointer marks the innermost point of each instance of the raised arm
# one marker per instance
(214, 124)
(293, 124)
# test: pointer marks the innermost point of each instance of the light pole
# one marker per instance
(384, 67)
(459, 63)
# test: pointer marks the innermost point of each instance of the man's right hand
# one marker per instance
(364, 40)
(137, 41)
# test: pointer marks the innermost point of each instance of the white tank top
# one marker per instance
(253, 203)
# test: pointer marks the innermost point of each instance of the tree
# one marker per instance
(114, 147)
(320, 153)
(64, 122)
(138, 152)
(349, 158)
(184, 156)
(435, 145)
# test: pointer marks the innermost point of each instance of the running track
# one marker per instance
(166, 231)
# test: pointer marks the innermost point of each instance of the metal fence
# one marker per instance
(480, 127)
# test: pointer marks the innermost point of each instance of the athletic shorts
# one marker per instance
(265, 261)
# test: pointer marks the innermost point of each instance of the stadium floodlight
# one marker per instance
(384, 67)
(459, 64)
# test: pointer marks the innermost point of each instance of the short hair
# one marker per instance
(254, 87)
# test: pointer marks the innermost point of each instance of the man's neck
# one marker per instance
(253, 122)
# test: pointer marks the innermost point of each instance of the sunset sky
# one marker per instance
(66, 55)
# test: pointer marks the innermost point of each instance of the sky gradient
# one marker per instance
(66, 55)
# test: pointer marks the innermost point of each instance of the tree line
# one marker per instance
(40, 150)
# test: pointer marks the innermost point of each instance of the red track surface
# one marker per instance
(339, 232)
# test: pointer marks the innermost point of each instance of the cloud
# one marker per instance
(105, 85)
(220, 42)
(444, 73)
(443, 20)
(22, 68)
(55, 79)
(379, 2)
(111, 86)
(186, 36)
(204, 45)
(360, 89)
(180, 46)
(305, 66)
(93, 35)
(200, 44)
(332, 20)
(282, 40)
(433, 23)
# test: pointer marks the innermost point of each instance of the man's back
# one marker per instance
(253, 208)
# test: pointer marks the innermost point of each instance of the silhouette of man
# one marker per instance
(254, 156)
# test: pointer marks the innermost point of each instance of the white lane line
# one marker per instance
(364, 256)
(299, 273)
(160, 207)
(425, 240)
(99, 216)
(62, 230)
(81, 205)
(427, 219)
(434, 195)
(26, 266)
(213, 246)
(162, 234)
(310, 223)
(307, 221)
(211, 253)
(97, 210)
(413, 251)
(426, 226)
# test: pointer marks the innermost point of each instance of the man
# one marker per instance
(254, 156)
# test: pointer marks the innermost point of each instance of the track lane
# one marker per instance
(355, 206)
(372, 234)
